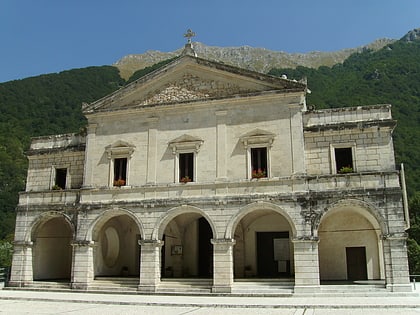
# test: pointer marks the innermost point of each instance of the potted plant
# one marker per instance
(119, 182)
(346, 169)
(185, 179)
(259, 173)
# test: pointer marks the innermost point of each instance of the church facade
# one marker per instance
(200, 170)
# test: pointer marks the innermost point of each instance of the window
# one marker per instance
(185, 149)
(120, 171)
(186, 167)
(60, 178)
(343, 157)
(119, 155)
(258, 143)
(259, 162)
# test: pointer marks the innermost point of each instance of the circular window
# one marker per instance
(110, 246)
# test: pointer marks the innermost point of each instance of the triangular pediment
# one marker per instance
(258, 137)
(190, 79)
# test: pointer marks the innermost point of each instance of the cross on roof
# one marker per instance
(189, 34)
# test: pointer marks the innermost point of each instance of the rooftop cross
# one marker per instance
(189, 34)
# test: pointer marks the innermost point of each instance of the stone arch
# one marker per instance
(365, 209)
(259, 205)
(109, 214)
(187, 250)
(174, 212)
(44, 217)
(262, 232)
(52, 234)
(350, 244)
(116, 233)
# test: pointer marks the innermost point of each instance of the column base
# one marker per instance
(79, 286)
(221, 289)
(18, 284)
(147, 288)
(400, 287)
(307, 289)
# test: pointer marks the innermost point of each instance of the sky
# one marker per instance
(47, 36)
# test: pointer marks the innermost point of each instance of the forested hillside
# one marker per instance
(389, 76)
(43, 105)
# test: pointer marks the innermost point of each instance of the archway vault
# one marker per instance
(43, 218)
(106, 215)
(368, 211)
(257, 206)
(171, 214)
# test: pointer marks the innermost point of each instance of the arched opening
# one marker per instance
(187, 250)
(263, 246)
(349, 246)
(117, 253)
(52, 252)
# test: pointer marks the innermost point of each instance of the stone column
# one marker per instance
(150, 265)
(306, 265)
(396, 263)
(152, 151)
(21, 273)
(82, 271)
(221, 145)
(222, 265)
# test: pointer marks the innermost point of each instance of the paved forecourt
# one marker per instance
(48, 302)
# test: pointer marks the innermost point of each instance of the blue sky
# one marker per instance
(45, 36)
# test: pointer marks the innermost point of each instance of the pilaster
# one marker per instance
(82, 264)
(150, 265)
(306, 265)
(21, 273)
(222, 265)
(152, 151)
(396, 263)
(221, 145)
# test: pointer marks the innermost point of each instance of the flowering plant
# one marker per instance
(119, 182)
(185, 179)
(259, 173)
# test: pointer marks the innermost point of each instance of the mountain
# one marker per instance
(256, 59)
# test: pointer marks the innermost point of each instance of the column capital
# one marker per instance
(395, 236)
(82, 243)
(23, 243)
(306, 239)
(222, 243)
(151, 243)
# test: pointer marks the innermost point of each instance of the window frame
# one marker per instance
(53, 179)
(249, 161)
(119, 150)
(185, 144)
(348, 145)
(254, 140)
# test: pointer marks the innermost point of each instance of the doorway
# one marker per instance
(356, 263)
(273, 254)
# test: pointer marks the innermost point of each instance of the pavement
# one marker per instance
(69, 302)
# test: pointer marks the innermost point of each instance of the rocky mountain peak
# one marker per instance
(246, 57)
(412, 35)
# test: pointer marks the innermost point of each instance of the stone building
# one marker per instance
(217, 177)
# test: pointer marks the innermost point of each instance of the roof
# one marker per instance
(191, 79)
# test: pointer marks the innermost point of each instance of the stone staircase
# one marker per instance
(263, 287)
(185, 286)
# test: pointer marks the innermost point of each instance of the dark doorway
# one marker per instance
(273, 254)
(205, 249)
(356, 263)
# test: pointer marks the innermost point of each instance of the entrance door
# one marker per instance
(272, 260)
(205, 249)
(356, 263)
